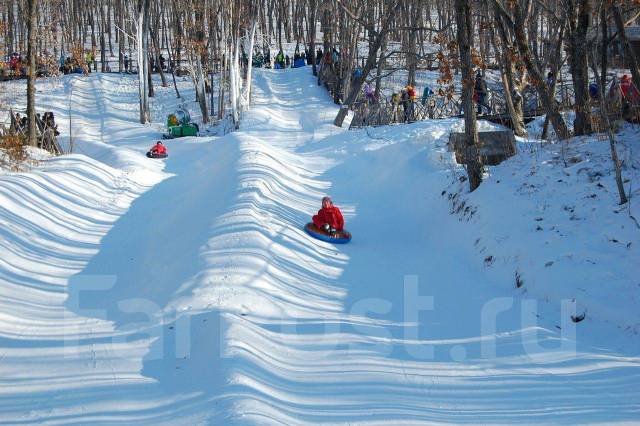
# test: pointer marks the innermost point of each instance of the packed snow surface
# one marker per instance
(185, 290)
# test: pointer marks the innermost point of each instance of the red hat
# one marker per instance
(625, 77)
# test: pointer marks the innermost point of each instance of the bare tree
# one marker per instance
(612, 139)
(578, 19)
(507, 70)
(464, 39)
(142, 39)
(634, 62)
(32, 8)
(518, 24)
(372, 57)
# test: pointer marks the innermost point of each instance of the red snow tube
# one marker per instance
(339, 237)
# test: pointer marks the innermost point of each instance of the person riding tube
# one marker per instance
(158, 150)
(329, 217)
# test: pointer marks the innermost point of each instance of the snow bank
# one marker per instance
(550, 216)
(185, 291)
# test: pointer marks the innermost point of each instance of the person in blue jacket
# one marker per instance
(594, 91)
(426, 94)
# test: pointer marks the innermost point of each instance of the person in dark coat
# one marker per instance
(481, 93)
(550, 79)
(594, 90)
(405, 100)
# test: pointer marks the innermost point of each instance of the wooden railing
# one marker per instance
(383, 111)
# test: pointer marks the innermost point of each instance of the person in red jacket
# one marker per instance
(629, 92)
(159, 149)
(329, 217)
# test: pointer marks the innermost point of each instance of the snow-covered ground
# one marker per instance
(184, 291)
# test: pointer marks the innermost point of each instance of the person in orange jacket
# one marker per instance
(411, 92)
(329, 217)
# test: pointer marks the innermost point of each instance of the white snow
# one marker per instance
(184, 291)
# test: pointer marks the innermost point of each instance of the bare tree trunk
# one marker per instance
(103, 46)
(380, 67)
(121, 36)
(516, 113)
(631, 56)
(223, 47)
(579, 14)
(150, 84)
(605, 116)
(247, 89)
(311, 25)
(157, 53)
(142, 38)
(32, 6)
(464, 38)
(201, 94)
(223, 70)
(604, 53)
(234, 77)
(411, 45)
(173, 72)
(555, 67)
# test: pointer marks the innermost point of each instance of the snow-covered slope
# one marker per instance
(551, 216)
(186, 292)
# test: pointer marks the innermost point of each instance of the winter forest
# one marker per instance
(402, 212)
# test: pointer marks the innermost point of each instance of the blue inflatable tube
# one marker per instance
(341, 237)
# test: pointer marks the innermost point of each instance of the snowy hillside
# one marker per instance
(185, 291)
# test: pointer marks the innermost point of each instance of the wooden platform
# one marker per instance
(495, 147)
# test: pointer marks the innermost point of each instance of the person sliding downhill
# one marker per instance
(329, 217)
(157, 151)
(159, 148)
